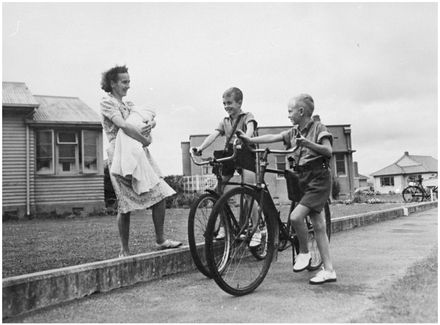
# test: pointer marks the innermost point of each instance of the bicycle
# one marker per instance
(416, 192)
(231, 262)
(201, 209)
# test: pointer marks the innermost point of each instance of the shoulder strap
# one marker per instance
(300, 147)
(233, 131)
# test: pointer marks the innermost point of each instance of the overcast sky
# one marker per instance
(370, 65)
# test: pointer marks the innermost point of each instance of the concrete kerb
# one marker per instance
(33, 291)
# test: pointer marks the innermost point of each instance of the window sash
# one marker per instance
(387, 181)
(64, 160)
(59, 141)
(90, 151)
(48, 154)
(280, 162)
(340, 164)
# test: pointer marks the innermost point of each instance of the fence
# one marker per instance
(199, 183)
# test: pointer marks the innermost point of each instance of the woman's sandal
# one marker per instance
(169, 244)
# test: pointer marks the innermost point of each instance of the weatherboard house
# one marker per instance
(52, 154)
(343, 169)
(407, 169)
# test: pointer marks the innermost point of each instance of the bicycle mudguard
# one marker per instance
(271, 211)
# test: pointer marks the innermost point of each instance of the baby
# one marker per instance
(130, 158)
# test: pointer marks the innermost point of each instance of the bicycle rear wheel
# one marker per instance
(412, 194)
(311, 242)
(197, 221)
(232, 264)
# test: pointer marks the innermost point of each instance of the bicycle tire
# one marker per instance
(197, 221)
(232, 265)
(412, 194)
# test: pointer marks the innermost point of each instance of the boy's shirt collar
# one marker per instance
(306, 129)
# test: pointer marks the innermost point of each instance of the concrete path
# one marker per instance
(367, 260)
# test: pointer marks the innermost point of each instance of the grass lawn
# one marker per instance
(412, 299)
(42, 244)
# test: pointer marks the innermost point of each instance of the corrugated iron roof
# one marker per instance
(64, 109)
(17, 94)
(420, 164)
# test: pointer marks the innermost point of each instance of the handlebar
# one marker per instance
(211, 160)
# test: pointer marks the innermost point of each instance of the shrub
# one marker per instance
(181, 199)
(357, 198)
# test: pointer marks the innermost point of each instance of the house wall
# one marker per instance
(62, 194)
(400, 182)
(14, 162)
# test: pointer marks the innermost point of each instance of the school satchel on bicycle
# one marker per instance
(292, 182)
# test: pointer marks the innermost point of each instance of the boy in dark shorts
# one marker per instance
(245, 161)
(313, 151)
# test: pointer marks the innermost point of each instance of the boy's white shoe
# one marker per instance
(220, 234)
(255, 240)
(323, 276)
(302, 262)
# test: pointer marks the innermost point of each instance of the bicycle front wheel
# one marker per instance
(233, 262)
(412, 194)
(197, 221)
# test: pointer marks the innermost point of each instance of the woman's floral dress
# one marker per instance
(128, 200)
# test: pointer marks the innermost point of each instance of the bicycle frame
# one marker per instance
(266, 202)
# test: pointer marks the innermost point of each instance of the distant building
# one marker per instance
(52, 154)
(198, 178)
(406, 169)
(360, 181)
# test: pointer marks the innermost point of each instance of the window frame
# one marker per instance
(83, 168)
(76, 169)
(52, 171)
(278, 163)
(340, 160)
(389, 178)
(79, 168)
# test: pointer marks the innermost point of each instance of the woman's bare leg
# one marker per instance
(123, 220)
(158, 214)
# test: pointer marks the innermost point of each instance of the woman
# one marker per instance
(116, 82)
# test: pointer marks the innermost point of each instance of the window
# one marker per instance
(90, 142)
(387, 181)
(67, 152)
(45, 161)
(281, 164)
(67, 147)
(340, 164)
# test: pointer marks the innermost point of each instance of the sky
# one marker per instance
(370, 65)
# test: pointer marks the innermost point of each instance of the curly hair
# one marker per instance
(235, 92)
(111, 75)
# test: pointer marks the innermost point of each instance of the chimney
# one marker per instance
(355, 167)
(406, 153)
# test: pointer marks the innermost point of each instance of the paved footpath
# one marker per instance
(367, 260)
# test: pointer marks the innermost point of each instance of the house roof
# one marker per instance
(55, 109)
(360, 176)
(17, 94)
(410, 164)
